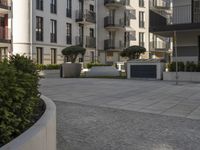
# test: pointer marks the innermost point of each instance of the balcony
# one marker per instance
(112, 25)
(5, 6)
(113, 45)
(85, 17)
(160, 4)
(90, 42)
(113, 4)
(79, 41)
(5, 35)
(159, 46)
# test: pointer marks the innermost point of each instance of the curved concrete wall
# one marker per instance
(41, 136)
(21, 27)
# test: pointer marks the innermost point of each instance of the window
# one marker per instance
(39, 29)
(53, 56)
(91, 7)
(126, 39)
(53, 6)
(53, 33)
(3, 53)
(141, 3)
(69, 8)
(92, 56)
(141, 39)
(39, 55)
(141, 19)
(69, 33)
(196, 11)
(91, 32)
(39, 4)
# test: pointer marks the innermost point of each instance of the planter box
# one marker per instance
(145, 69)
(50, 73)
(103, 71)
(41, 136)
(71, 70)
(182, 76)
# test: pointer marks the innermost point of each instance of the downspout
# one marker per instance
(96, 49)
(11, 48)
(30, 30)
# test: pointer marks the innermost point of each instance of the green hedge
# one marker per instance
(19, 96)
(48, 67)
(187, 67)
(90, 65)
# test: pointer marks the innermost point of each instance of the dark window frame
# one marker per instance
(39, 28)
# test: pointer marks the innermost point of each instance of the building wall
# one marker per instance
(24, 26)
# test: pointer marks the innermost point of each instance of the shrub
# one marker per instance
(191, 67)
(90, 65)
(133, 52)
(72, 52)
(19, 96)
(172, 66)
(48, 67)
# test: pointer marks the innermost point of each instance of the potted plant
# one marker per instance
(70, 69)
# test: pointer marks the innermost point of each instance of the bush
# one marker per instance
(19, 96)
(48, 67)
(90, 65)
(172, 66)
(72, 52)
(191, 67)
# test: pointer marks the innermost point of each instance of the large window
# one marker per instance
(53, 56)
(39, 28)
(141, 39)
(196, 11)
(141, 19)
(39, 4)
(53, 6)
(53, 33)
(141, 3)
(39, 55)
(69, 33)
(69, 8)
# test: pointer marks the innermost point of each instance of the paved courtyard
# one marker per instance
(109, 114)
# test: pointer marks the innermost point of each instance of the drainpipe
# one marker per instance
(30, 30)
(96, 49)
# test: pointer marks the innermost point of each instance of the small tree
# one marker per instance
(72, 52)
(133, 52)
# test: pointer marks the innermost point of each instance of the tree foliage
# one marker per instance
(133, 52)
(72, 52)
(19, 96)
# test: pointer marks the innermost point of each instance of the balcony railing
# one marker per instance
(90, 42)
(160, 4)
(53, 8)
(159, 45)
(68, 12)
(53, 37)
(86, 15)
(68, 40)
(111, 22)
(79, 41)
(5, 35)
(5, 4)
(113, 45)
(116, 3)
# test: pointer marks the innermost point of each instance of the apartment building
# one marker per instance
(42, 28)
(5, 29)
(184, 29)
(121, 23)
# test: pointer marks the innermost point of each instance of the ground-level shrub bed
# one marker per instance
(20, 104)
(184, 67)
(48, 67)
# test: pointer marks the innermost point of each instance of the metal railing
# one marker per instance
(113, 45)
(5, 34)
(85, 15)
(79, 40)
(111, 22)
(159, 45)
(53, 37)
(90, 42)
(160, 4)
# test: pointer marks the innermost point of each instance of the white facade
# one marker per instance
(24, 29)
(110, 52)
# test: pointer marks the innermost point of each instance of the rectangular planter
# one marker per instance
(182, 76)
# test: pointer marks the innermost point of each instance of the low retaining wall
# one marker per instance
(50, 73)
(182, 76)
(41, 136)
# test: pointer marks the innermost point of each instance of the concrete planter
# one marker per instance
(103, 71)
(41, 136)
(182, 76)
(71, 70)
(50, 73)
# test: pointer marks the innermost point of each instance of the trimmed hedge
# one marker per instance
(90, 65)
(188, 67)
(48, 67)
(19, 96)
